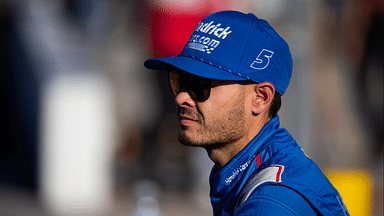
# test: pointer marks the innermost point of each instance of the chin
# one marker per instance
(188, 140)
(192, 141)
(185, 140)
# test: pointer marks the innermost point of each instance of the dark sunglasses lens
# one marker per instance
(174, 83)
(198, 88)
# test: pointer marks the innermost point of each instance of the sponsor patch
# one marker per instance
(214, 33)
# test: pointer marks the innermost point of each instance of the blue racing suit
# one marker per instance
(273, 176)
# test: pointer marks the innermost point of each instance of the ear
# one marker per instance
(264, 93)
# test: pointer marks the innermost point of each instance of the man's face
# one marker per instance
(218, 121)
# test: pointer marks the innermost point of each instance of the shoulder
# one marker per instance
(275, 200)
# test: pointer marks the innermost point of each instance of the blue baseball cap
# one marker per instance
(230, 45)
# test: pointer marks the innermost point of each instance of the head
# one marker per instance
(228, 78)
(214, 113)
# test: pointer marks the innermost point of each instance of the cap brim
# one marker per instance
(192, 66)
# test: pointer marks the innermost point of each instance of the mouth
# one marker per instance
(184, 117)
(187, 117)
(186, 120)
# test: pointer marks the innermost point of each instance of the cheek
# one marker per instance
(221, 107)
(224, 96)
(222, 99)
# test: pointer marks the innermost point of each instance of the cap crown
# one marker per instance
(231, 45)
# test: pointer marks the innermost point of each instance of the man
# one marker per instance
(227, 84)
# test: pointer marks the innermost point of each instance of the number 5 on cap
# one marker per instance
(262, 60)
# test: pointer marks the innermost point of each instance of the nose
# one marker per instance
(183, 99)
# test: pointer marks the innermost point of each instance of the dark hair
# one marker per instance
(275, 105)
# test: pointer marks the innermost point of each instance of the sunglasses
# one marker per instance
(198, 88)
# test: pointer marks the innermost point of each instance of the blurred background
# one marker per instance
(87, 130)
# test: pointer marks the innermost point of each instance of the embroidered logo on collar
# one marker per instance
(210, 42)
(240, 169)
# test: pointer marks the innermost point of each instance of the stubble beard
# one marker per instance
(218, 133)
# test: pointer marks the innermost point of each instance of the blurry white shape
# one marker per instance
(77, 127)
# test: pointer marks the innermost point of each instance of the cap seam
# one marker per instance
(246, 43)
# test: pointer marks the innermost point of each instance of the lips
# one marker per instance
(187, 120)
(184, 117)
